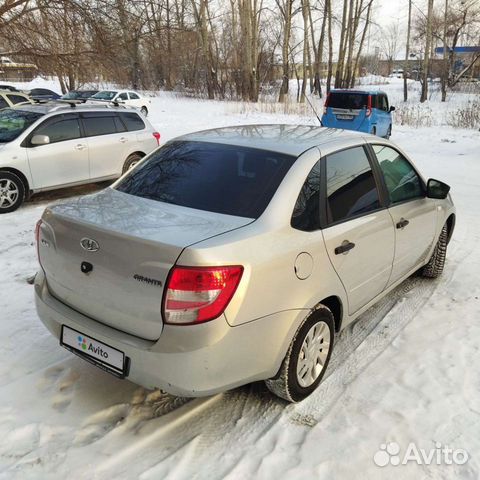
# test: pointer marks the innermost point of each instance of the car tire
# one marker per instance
(374, 130)
(389, 132)
(144, 111)
(131, 161)
(12, 192)
(434, 267)
(295, 382)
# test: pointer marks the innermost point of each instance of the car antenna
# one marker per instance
(314, 111)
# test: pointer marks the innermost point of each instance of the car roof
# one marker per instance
(10, 92)
(365, 92)
(66, 106)
(288, 139)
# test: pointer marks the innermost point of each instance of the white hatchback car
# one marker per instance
(124, 97)
(56, 145)
(236, 255)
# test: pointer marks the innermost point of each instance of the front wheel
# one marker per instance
(306, 359)
(12, 192)
(389, 132)
(435, 265)
(130, 162)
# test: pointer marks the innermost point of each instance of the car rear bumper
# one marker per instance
(192, 361)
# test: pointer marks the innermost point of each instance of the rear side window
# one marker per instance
(133, 96)
(3, 103)
(306, 214)
(60, 130)
(217, 178)
(401, 179)
(132, 121)
(351, 187)
(16, 99)
(354, 101)
(99, 125)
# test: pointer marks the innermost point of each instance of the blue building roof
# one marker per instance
(439, 50)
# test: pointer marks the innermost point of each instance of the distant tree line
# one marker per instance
(220, 48)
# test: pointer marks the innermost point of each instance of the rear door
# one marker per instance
(135, 100)
(359, 233)
(108, 143)
(413, 214)
(65, 159)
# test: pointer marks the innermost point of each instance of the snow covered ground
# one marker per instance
(406, 372)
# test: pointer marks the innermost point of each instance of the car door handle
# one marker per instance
(80, 146)
(402, 223)
(124, 139)
(345, 247)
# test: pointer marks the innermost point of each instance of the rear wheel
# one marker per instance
(144, 111)
(435, 265)
(307, 358)
(131, 161)
(12, 192)
(374, 130)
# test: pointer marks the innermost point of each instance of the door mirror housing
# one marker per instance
(40, 140)
(437, 189)
(392, 108)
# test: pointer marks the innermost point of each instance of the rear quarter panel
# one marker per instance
(267, 249)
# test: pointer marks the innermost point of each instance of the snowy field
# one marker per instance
(406, 372)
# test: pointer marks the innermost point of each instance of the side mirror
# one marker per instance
(392, 109)
(437, 189)
(40, 140)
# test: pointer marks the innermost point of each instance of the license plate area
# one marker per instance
(344, 117)
(98, 353)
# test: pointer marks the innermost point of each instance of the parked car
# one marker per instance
(79, 94)
(358, 110)
(236, 255)
(397, 73)
(55, 145)
(9, 98)
(43, 94)
(9, 87)
(124, 97)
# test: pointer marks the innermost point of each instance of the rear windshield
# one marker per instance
(14, 122)
(217, 178)
(354, 101)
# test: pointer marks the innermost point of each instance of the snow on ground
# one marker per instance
(407, 371)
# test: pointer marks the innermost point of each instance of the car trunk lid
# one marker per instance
(108, 255)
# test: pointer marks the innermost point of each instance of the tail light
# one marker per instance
(325, 106)
(199, 294)
(369, 106)
(157, 137)
(37, 238)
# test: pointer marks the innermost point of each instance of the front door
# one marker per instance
(65, 159)
(359, 235)
(413, 214)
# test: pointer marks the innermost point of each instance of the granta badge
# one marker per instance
(89, 244)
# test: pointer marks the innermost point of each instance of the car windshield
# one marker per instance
(213, 177)
(14, 122)
(71, 96)
(105, 95)
(354, 101)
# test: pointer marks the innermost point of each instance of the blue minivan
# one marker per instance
(364, 111)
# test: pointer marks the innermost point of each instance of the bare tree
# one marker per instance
(407, 51)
